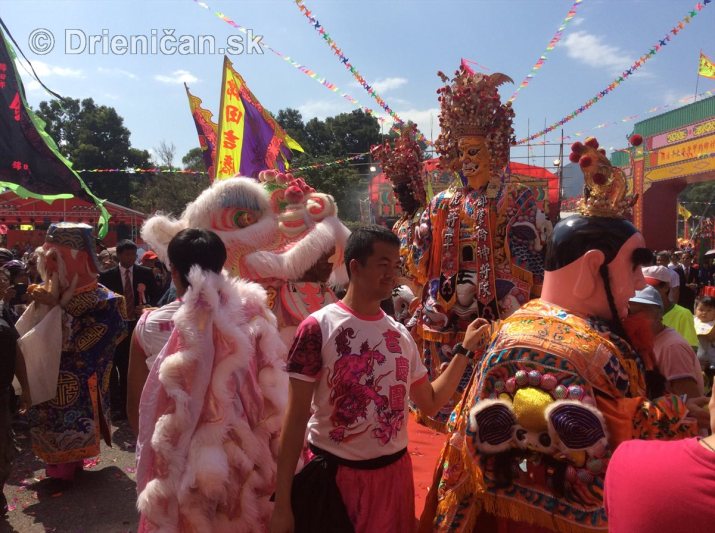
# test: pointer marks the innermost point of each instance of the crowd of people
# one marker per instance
(567, 366)
(344, 458)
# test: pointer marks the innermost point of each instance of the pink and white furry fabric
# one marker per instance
(211, 412)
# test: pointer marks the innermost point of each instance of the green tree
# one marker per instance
(169, 192)
(292, 122)
(94, 136)
(326, 140)
(699, 198)
(193, 160)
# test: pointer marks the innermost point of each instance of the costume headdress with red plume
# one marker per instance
(605, 191)
(470, 105)
(402, 164)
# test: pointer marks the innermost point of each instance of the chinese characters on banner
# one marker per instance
(249, 139)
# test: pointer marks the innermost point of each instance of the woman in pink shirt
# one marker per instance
(658, 487)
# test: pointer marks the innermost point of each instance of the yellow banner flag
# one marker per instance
(682, 212)
(706, 69)
(249, 138)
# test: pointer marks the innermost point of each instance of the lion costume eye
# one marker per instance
(229, 219)
(491, 426)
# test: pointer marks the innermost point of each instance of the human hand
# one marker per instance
(282, 521)
(44, 296)
(698, 411)
(25, 402)
(477, 335)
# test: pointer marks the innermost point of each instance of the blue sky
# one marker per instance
(398, 43)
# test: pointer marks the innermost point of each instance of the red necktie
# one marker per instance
(129, 294)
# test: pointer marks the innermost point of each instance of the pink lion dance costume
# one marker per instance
(278, 231)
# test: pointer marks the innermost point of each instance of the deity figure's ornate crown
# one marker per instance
(402, 164)
(605, 189)
(470, 105)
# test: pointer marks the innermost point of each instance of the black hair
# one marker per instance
(126, 244)
(707, 301)
(577, 234)
(198, 247)
(359, 245)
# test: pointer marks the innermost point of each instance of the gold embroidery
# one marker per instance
(90, 336)
(83, 302)
(67, 390)
(106, 378)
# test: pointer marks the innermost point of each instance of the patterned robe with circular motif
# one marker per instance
(68, 427)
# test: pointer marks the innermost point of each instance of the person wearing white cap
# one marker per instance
(674, 315)
(674, 358)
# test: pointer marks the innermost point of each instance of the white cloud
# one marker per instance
(676, 99)
(388, 84)
(592, 51)
(178, 77)
(322, 109)
(577, 21)
(117, 72)
(45, 70)
(33, 86)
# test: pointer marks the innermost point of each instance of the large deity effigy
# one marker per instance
(560, 386)
(401, 162)
(278, 231)
(477, 250)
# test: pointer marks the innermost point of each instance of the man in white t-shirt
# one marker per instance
(352, 370)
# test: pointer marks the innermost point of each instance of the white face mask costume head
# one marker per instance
(275, 228)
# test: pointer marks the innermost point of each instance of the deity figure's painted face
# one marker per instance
(474, 160)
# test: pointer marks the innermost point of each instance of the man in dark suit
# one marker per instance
(138, 286)
(689, 282)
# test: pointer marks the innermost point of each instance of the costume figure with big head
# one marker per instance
(402, 164)
(278, 231)
(471, 250)
(559, 387)
(68, 337)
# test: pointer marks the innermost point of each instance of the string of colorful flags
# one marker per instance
(314, 75)
(626, 73)
(153, 170)
(629, 118)
(345, 61)
(157, 170)
(330, 163)
(549, 47)
(354, 71)
(302, 68)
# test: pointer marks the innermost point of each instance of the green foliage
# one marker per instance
(326, 140)
(169, 192)
(698, 197)
(93, 136)
(194, 160)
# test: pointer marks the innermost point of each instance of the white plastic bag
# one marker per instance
(41, 345)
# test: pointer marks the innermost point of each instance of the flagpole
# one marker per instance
(697, 78)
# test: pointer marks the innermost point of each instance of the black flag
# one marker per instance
(30, 162)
